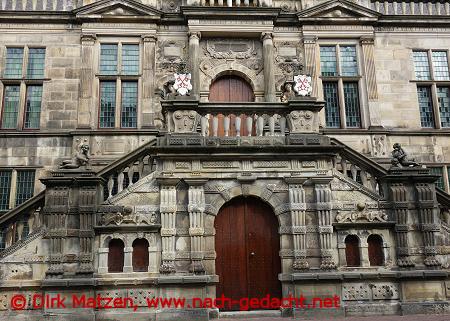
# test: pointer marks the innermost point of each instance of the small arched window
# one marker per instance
(115, 256)
(140, 255)
(352, 250)
(376, 256)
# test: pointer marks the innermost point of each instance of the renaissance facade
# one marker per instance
(164, 149)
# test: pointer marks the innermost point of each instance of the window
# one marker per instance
(140, 255)
(16, 187)
(433, 87)
(119, 96)
(340, 81)
(375, 249)
(115, 256)
(22, 109)
(352, 250)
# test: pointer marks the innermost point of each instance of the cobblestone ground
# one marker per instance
(428, 317)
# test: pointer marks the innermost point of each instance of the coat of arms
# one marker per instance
(302, 85)
(182, 84)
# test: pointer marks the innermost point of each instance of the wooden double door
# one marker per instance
(247, 245)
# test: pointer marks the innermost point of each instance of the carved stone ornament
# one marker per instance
(81, 157)
(303, 85)
(182, 83)
(400, 158)
(361, 215)
(185, 121)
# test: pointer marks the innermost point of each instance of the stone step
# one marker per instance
(250, 314)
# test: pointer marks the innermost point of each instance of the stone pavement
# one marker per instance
(428, 317)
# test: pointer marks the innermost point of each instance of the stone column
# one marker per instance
(128, 259)
(324, 205)
(367, 45)
(148, 80)
(269, 74)
(428, 210)
(196, 210)
(168, 209)
(87, 76)
(401, 212)
(311, 60)
(194, 63)
(298, 219)
(103, 260)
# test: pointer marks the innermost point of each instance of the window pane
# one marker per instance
(443, 94)
(10, 107)
(328, 63)
(25, 186)
(130, 59)
(14, 59)
(108, 59)
(332, 115)
(421, 65)
(107, 104)
(33, 107)
(351, 97)
(349, 65)
(36, 63)
(129, 104)
(440, 65)
(5, 189)
(425, 106)
(440, 181)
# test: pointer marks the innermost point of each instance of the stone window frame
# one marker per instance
(339, 79)
(14, 184)
(118, 78)
(432, 84)
(24, 82)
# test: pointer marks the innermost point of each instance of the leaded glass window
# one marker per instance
(351, 98)
(33, 107)
(25, 186)
(108, 59)
(328, 62)
(349, 64)
(36, 63)
(421, 65)
(10, 107)
(129, 104)
(443, 94)
(440, 65)
(107, 104)
(440, 181)
(14, 61)
(5, 189)
(425, 106)
(332, 115)
(130, 59)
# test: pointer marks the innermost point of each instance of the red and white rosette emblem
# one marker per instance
(182, 84)
(302, 85)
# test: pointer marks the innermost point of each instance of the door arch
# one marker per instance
(247, 246)
(230, 88)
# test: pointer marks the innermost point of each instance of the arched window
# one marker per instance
(376, 256)
(140, 255)
(352, 250)
(115, 256)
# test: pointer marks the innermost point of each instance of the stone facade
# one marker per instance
(165, 180)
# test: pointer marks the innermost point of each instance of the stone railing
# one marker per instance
(439, 8)
(242, 119)
(125, 171)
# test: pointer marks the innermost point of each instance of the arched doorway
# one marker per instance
(230, 88)
(375, 244)
(247, 245)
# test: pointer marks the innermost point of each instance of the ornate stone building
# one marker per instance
(115, 183)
